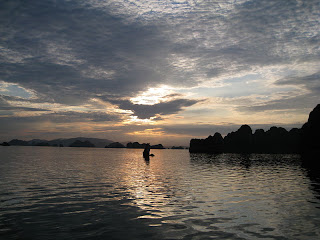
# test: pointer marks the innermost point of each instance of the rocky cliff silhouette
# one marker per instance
(17, 142)
(143, 145)
(212, 144)
(115, 145)
(276, 140)
(310, 132)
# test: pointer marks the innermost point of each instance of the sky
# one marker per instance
(156, 71)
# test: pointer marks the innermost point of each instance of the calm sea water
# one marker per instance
(83, 193)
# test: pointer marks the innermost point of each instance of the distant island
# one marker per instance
(138, 145)
(4, 144)
(79, 143)
(61, 142)
(276, 140)
(180, 147)
(115, 145)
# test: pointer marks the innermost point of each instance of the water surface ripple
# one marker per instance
(83, 193)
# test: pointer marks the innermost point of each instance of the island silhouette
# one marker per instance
(115, 145)
(143, 145)
(79, 143)
(4, 144)
(63, 142)
(303, 140)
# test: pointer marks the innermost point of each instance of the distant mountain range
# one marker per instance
(81, 142)
(66, 142)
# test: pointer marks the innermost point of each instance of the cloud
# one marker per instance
(21, 108)
(302, 102)
(73, 116)
(310, 82)
(5, 106)
(68, 52)
(51, 124)
(307, 98)
(61, 118)
(162, 108)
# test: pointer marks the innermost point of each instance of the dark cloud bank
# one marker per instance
(162, 108)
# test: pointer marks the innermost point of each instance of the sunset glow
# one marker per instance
(153, 96)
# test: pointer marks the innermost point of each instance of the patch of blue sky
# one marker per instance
(14, 90)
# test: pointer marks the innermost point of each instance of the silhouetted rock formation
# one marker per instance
(259, 141)
(275, 140)
(157, 146)
(239, 141)
(38, 142)
(212, 144)
(174, 147)
(294, 140)
(278, 140)
(17, 142)
(115, 145)
(143, 145)
(136, 145)
(5, 144)
(79, 143)
(97, 142)
(311, 132)
(34, 142)
(42, 144)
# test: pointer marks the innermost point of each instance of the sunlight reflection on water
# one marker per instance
(72, 193)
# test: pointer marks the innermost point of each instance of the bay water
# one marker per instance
(93, 193)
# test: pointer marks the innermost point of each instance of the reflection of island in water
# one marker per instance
(275, 140)
(291, 172)
(313, 172)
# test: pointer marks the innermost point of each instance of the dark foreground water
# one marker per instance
(83, 193)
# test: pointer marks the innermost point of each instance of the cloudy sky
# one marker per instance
(156, 71)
